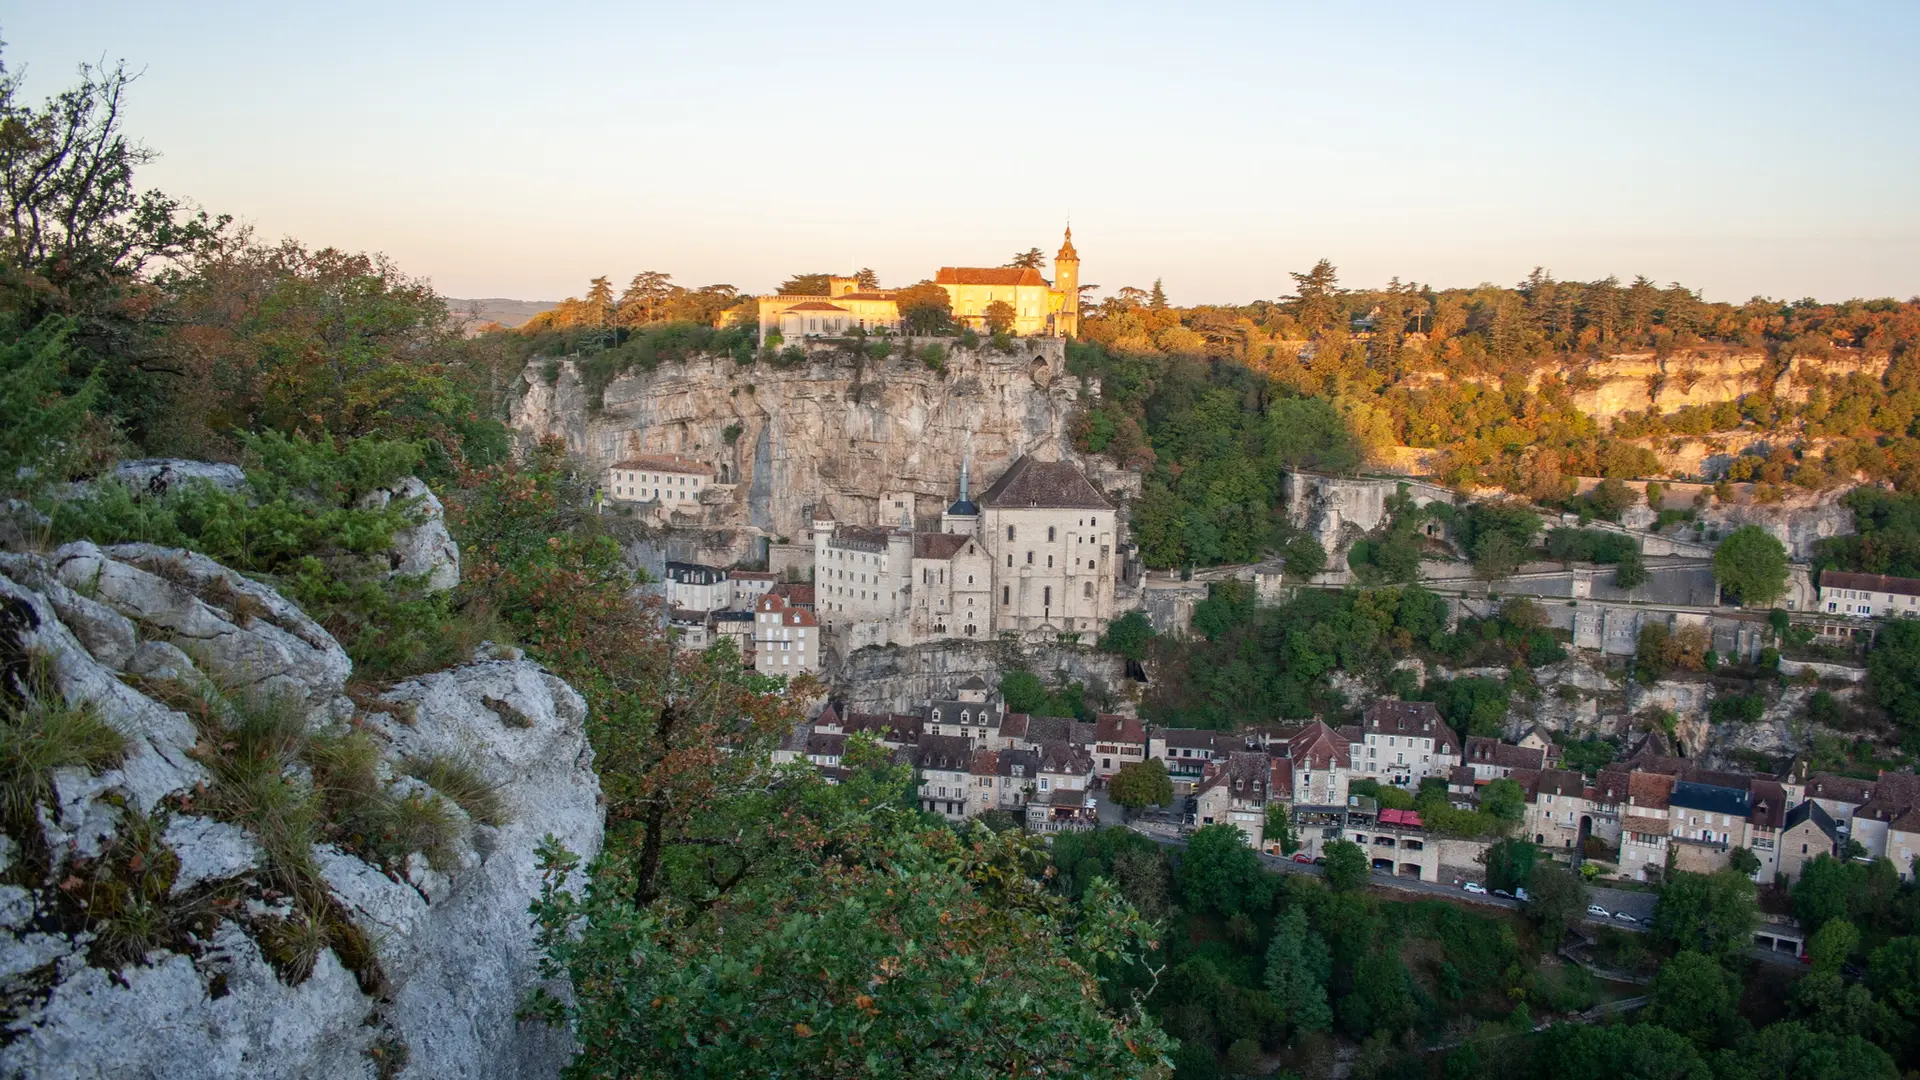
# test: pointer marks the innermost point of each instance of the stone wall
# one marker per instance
(902, 678)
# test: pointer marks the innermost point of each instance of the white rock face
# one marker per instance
(157, 476)
(427, 549)
(830, 428)
(453, 943)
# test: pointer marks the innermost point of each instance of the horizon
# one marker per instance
(496, 154)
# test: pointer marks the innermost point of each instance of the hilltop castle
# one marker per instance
(1039, 306)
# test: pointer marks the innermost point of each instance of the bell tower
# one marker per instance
(1066, 281)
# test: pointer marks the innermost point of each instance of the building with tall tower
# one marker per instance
(1066, 286)
(1040, 307)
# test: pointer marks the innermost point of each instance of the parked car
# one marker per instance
(1319, 860)
(1624, 917)
(1520, 894)
(1598, 912)
(1475, 887)
(1503, 892)
(1301, 856)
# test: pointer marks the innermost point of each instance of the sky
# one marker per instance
(517, 150)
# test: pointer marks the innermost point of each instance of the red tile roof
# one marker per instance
(988, 275)
(1836, 579)
(1320, 747)
(1108, 727)
(938, 545)
(1651, 790)
(817, 305)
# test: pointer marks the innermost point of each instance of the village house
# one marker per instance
(1119, 741)
(1406, 742)
(786, 640)
(1868, 595)
(1234, 792)
(1809, 832)
(670, 481)
(698, 588)
(1645, 829)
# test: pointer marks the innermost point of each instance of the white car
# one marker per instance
(1520, 894)
(1599, 912)
(1624, 917)
(1475, 887)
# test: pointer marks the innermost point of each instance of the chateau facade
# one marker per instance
(1039, 306)
(1037, 553)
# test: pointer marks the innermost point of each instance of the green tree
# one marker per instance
(1751, 566)
(1299, 967)
(1631, 571)
(1346, 866)
(859, 956)
(1023, 692)
(1315, 303)
(1279, 827)
(1510, 863)
(1556, 899)
(1220, 873)
(1712, 913)
(807, 285)
(1893, 672)
(1142, 783)
(1305, 558)
(38, 424)
(1824, 892)
(925, 309)
(866, 280)
(1743, 861)
(1832, 944)
(1000, 316)
(1505, 801)
(1130, 636)
(1157, 298)
(1794, 1051)
(1693, 995)
(1637, 1052)
(1030, 259)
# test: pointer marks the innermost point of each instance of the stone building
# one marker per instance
(1051, 536)
(698, 588)
(1039, 306)
(786, 640)
(671, 481)
(1405, 742)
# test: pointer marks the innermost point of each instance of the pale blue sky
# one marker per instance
(519, 149)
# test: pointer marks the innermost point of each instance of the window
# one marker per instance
(1049, 562)
(1049, 534)
(1029, 558)
(1006, 595)
(1009, 532)
(1087, 590)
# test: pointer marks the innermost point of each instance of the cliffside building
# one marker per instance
(1036, 555)
(1040, 306)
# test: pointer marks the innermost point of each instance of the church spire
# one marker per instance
(966, 463)
(1066, 248)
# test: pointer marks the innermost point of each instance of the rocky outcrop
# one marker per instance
(157, 476)
(832, 428)
(425, 550)
(422, 963)
(896, 678)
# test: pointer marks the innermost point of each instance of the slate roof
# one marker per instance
(826, 745)
(1066, 797)
(1244, 775)
(988, 275)
(888, 727)
(687, 573)
(1418, 719)
(1836, 579)
(1187, 738)
(1050, 729)
(1462, 776)
(1814, 812)
(974, 682)
(1064, 758)
(1769, 803)
(859, 536)
(1897, 793)
(946, 752)
(979, 713)
(1562, 782)
(1482, 750)
(1844, 789)
(1021, 764)
(1056, 485)
(1710, 798)
(928, 545)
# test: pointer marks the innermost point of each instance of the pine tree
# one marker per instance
(1298, 968)
(1158, 298)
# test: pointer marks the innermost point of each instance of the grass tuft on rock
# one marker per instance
(40, 732)
(460, 781)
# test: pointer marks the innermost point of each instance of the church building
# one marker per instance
(1040, 307)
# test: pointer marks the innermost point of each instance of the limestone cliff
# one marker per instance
(161, 914)
(847, 429)
(901, 679)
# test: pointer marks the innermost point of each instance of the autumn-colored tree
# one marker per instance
(644, 298)
(925, 308)
(1000, 316)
